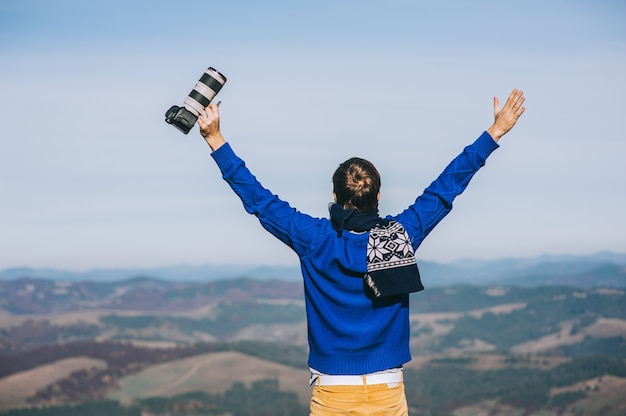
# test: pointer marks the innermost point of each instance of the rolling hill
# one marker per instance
(145, 345)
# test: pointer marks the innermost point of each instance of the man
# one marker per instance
(358, 268)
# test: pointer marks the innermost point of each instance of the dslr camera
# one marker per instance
(184, 118)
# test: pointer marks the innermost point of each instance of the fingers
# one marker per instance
(210, 114)
(496, 105)
(214, 109)
(211, 111)
(515, 102)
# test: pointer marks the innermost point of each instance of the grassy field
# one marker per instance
(15, 388)
(211, 373)
(605, 396)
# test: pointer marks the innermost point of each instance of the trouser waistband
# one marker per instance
(385, 378)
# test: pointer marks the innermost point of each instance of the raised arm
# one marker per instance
(299, 231)
(436, 201)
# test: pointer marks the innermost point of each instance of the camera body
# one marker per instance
(181, 118)
(184, 118)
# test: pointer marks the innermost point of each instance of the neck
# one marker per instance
(352, 220)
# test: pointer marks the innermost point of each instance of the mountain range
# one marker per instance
(600, 269)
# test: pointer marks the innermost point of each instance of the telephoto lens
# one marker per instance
(184, 118)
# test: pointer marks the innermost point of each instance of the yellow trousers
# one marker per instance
(377, 399)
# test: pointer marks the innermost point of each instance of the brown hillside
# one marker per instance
(211, 373)
(16, 388)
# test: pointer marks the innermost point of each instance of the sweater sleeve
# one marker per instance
(299, 231)
(436, 201)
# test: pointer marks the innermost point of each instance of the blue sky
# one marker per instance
(92, 177)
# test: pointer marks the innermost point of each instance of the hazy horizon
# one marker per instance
(601, 255)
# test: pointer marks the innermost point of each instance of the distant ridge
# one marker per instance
(172, 273)
(604, 268)
(569, 270)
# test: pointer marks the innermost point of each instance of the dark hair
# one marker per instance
(356, 183)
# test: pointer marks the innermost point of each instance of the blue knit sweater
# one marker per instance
(348, 332)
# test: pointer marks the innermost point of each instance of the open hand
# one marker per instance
(506, 117)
